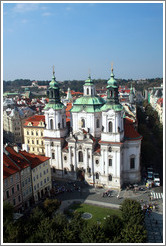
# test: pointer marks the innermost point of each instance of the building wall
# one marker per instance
(33, 137)
(12, 186)
(26, 185)
(41, 180)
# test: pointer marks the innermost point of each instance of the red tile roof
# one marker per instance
(129, 132)
(160, 101)
(9, 168)
(17, 158)
(35, 119)
(35, 160)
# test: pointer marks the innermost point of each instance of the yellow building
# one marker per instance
(33, 134)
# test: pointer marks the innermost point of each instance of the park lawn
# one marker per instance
(98, 213)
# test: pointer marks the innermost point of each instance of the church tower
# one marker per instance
(112, 137)
(112, 114)
(56, 130)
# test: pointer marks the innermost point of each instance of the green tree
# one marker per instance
(50, 206)
(133, 233)
(131, 212)
(112, 227)
(93, 233)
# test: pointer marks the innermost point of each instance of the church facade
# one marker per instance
(101, 147)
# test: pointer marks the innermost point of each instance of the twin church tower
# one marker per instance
(101, 147)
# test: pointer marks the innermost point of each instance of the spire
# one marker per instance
(53, 76)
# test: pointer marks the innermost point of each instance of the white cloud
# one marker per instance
(68, 8)
(24, 21)
(25, 7)
(46, 14)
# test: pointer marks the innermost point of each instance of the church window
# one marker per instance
(87, 91)
(91, 92)
(97, 175)
(132, 163)
(31, 132)
(110, 162)
(80, 156)
(65, 157)
(83, 123)
(32, 142)
(65, 171)
(52, 143)
(97, 123)
(27, 132)
(63, 125)
(110, 177)
(53, 169)
(51, 124)
(37, 141)
(51, 94)
(36, 133)
(109, 149)
(53, 155)
(41, 134)
(28, 141)
(110, 126)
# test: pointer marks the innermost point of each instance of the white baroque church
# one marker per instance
(102, 147)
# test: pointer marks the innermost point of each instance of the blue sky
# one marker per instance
(76, 37)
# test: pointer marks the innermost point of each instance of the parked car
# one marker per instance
(149, 173)
(156, 179)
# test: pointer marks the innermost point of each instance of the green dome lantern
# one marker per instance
(54, 95)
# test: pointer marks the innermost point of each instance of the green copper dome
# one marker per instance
(89, 81)
(112, 82)
(88, 104)
(53, 84)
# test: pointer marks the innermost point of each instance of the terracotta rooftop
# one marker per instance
(129, 131)
(35, 119)
(35, 160)
(9, 168)
(17, 158)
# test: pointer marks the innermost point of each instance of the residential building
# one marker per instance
(11, 182)
(33, 134)
(41, 174)
(25, 174)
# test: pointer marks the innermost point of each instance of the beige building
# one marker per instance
(13, 120)
(33, 134)
(41, 175)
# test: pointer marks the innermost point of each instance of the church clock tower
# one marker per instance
(56, 130)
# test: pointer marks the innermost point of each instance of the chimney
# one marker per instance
(15, 147)
(25, 147)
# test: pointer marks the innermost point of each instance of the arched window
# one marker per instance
(63, 125)
(51, 94)
(53, 155)
(52, 143)
(82, 123)
(132, 162)
(97, 175)
(87, 91)
(97, 123)
(110, 126)
(110, 177)
(80, 156)
(51, 124)
(27, 132)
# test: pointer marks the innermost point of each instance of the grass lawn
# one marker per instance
(98, 213)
